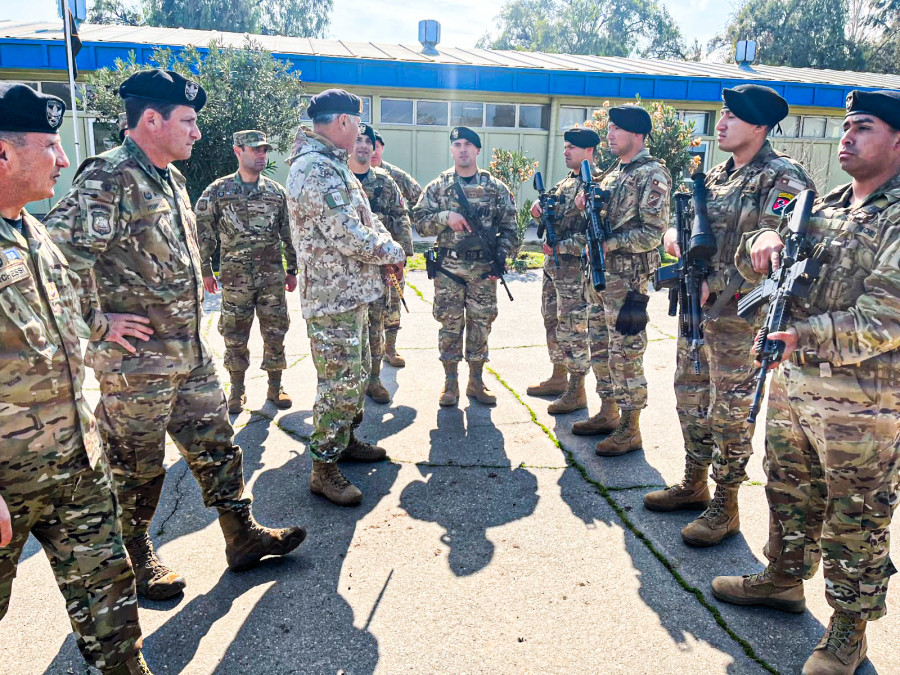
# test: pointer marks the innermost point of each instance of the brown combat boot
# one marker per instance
(360, 451)
(327, 480)
(390, 349)
(691, 493)
(276, 394)
(573, 398)
(769, 588)
(236, 396)
(719, 522)
(377, 391)
(153, 580)
(626, 438)
(842, 649)
(450, 394)
(247, 542)
(476, 387)
(133, 666)
(604, 422)
(555, 385)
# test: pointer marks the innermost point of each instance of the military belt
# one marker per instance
(805, 357)
(465, 255)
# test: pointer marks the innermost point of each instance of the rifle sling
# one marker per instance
(725, 296)
(439, 267)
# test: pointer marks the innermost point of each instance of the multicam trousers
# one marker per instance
(473, 307)
(565, 314)
(241, 297)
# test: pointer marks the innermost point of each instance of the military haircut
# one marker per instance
(135, 107)
(325, 118)
(15, 138)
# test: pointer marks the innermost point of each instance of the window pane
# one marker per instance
(834, 127)
(366, 110)
(394, 111)
(466, 114)
(500, 115)
(534, 116)
(106, 136)
(814, 127)
(431, 113)
(569, 117)
(790, 127)
(60, 89)
(701, 122)
(702, 150)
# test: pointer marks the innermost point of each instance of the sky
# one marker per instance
(397, 21)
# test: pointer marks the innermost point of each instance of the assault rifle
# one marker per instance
(684, 279)
(791, 281)
(598, 229)
(548, 214)
(486, 238)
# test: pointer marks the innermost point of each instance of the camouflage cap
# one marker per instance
(251, 138)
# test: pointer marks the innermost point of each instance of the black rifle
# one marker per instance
(791, 281)
(684, 279)
(485, 238)
(598, 229)
(549, 203)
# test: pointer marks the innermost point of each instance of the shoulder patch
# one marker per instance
(781, 200)
(337, 198)
(202, 203)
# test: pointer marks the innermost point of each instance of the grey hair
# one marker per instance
(15, 138)
(325, 118)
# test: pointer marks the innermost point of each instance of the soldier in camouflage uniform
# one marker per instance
(563, 305)
(638, 212)
(746, 192)
(465, 293)
(411, 192)
(249, 214)
(342, 246)
(387, 203)
(833, 427)
(128, 231)
(54, 480)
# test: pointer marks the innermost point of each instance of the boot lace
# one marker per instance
(335, 477)
(147, 558)
(760, 577)
(839, 633)
(685, 484)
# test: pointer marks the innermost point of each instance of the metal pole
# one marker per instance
(64, 10)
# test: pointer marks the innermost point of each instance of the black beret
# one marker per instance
(631, 117)
(884, 104)
(582, 137)
(23, 109)
(367, 131)
(165, 86)
(379, 139)
(467, 134)
(755, 104)
(334, 101)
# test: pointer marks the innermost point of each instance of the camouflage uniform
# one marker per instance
(713, 405)
(409, 188)
(340, 245)
(131, 237)
(638, 216)
(833, 427)
(252, 222)
(53, 476)
(474, 305)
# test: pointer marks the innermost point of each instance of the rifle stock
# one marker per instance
(548, 214)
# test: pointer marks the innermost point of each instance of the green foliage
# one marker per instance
(513, 168)
(246, 89)
(617, 28)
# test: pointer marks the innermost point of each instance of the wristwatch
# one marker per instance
(292, 271)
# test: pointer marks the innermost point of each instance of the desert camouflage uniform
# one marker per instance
(563, 306)
(252, 222)
(474, 305)
(53, 476)
(341, 246)
(713, 405)
(638, 215)
(131, 237)
(833, 427)
(387, 203)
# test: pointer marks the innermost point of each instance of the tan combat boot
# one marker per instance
(390, 349)
(769, 588)
(691, 493)
(374, 389)
(626, 438)
(133, 666)
(555, 385)
(573, 398)
(276, 394)
(450, 394)
(236, 396)
(153, 580)
(247, 542)
(327, 480)
(718, 522)
(360, 451)
(476, 387)
(604, 422)
(842, 649)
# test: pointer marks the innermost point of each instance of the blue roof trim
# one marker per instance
(355, 72)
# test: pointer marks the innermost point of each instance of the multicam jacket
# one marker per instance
(131, 237)
(487, 195)
(41, 369)
(571, 223)
(387, 203)
(252, 222)
(340, 242)
(852, 313)
(408, 185)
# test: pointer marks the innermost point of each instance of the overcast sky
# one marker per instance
(462, 21)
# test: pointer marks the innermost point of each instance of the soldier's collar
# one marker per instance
(641, 155)
(138, 154)
(11, 233)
